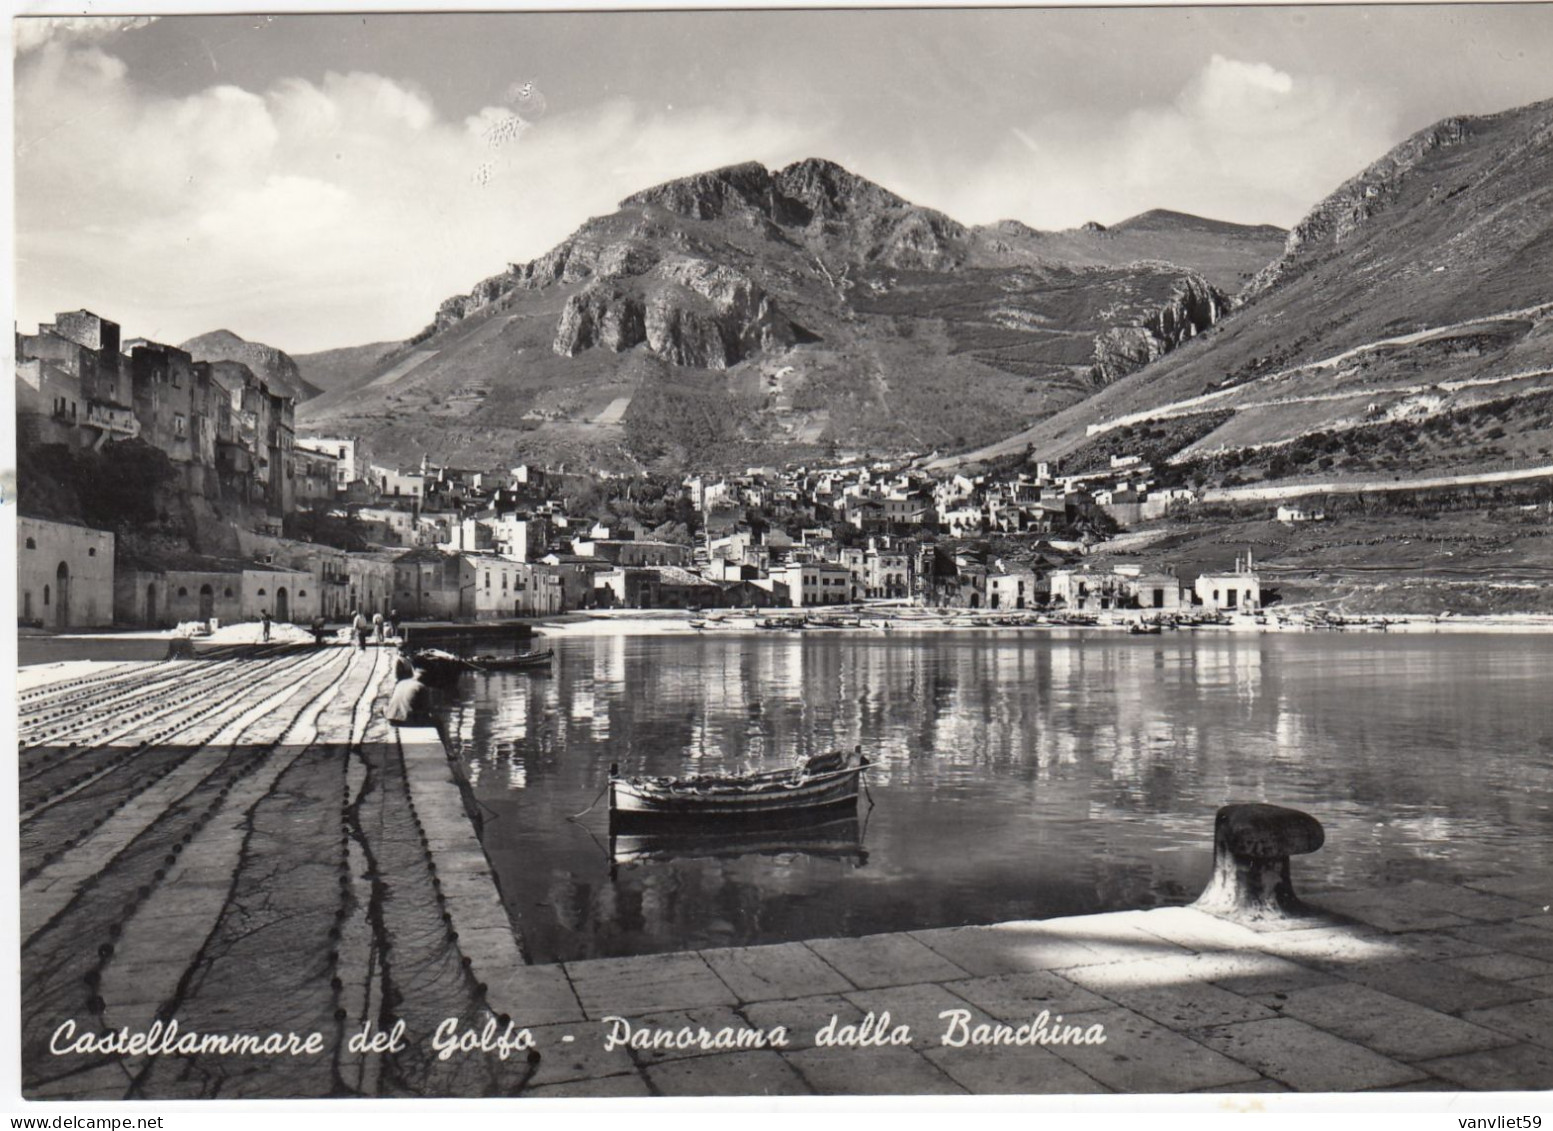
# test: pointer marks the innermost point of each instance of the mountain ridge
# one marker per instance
(1416, 293)
(742, 310)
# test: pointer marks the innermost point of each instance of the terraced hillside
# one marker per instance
(1419, 292)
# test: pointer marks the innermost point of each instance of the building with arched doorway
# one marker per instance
(64, 574)
(289, 596)
(162, 598)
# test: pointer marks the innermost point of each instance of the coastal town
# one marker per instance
(783, 553)
(300, 526)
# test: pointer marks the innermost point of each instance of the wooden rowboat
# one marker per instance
(821, 782)
(513, 663)
(442, 669)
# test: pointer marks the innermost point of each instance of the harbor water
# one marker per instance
(1019, 774)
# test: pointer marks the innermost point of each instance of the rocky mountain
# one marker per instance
(272, 366)
(744, 313)
(1411, 314)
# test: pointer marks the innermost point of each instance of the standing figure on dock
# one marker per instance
(393, 623)
(264, 620)
(359, 630)
(377, 628)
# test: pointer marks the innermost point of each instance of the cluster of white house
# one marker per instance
(886, 497)
(68, 578)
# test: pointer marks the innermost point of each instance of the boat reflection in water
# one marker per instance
(817, 833)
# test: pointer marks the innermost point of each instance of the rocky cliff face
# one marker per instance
(272, 366)
(689, 312)
(1355, 202)
(1193, 307)
(814, 203)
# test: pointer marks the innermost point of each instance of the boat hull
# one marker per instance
(818, 832)
(635, 801)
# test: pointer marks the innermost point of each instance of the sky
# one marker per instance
(319, 181)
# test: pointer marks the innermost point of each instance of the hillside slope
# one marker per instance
(272, 366)
(744, 314)
(1417, 292)
(345, 368)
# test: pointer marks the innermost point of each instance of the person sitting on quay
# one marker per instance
(318, 630)
(410, 703)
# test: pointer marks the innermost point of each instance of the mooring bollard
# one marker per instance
(1252, 843)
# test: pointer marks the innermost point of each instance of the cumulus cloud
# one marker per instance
(1241, 141)
(34, 31)
(313, 214)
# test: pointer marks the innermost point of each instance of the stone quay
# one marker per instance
(229, 861)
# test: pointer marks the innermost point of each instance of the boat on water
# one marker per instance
(442, 669)
(819, 833)
(822, 781)
(522, 661)
(1140, 628)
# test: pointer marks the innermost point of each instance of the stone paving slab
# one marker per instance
(1305, 1057)
(712, 1018)
(1387, 911)
(1492, 908)
(1515, 1068)
(1140, 1055)
(885, 960)
(920, 1008)
(1503, 967)
(1019, 997)
(757, 1072)
(1530, 1021)
(627, 1086)
(1021, 947)
(1439, 985)
(1385, 1024)
(802, 1017)
(761, 973)
(989, 1070)
(654, 983)
(582, 1058)
(872, 1072)
(1517, 937)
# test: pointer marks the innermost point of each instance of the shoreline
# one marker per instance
(871, 621)
(664, 622)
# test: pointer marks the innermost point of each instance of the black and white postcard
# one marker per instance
(785, 553)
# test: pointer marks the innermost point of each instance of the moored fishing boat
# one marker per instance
(819, 782)
(520, 662)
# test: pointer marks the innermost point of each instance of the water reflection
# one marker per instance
(1019, 775)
